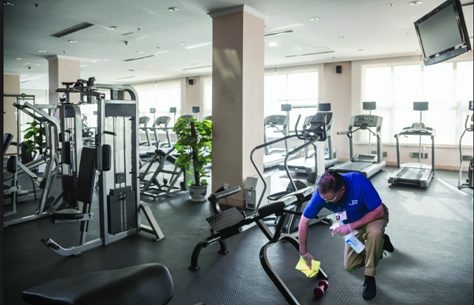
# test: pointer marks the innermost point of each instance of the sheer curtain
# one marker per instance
(446, 86)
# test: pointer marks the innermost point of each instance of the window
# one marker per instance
(295, 88)
(446, 86)
(207, 95)
(159, 95)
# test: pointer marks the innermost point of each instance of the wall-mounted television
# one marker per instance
(442, 33)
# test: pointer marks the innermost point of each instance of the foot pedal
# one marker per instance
(67, 215)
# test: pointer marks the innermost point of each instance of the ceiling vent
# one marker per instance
(126, 77)
(73, 29)
(309, 54)
(195, 68)
(138, 58)
(279, 33)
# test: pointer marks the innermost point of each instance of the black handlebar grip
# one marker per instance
(67, 152)
(106, 157)
(11, 164)
(276, 208)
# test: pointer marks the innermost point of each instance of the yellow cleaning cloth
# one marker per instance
(309, 272)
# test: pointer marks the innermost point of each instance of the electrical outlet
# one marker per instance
(414, 155)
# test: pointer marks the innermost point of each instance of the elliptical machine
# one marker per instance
(469, 182)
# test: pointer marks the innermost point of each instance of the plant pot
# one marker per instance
(198, 193)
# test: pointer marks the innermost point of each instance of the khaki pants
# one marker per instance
(372, 236)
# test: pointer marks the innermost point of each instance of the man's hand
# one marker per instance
(342, 230)
(307, 259)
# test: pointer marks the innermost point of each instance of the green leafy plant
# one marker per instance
(34, 138)
(194, 147)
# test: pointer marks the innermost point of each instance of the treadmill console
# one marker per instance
(369, 105)
(324, 107)
(315, 130)
(276, 120)
(318, 119)
(366, 120)
(420, 106)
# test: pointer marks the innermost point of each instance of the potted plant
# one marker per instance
(193, 147)
(34, 141)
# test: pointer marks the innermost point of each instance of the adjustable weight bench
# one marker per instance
(147, 284)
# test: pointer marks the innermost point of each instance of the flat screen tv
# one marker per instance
(442, 33)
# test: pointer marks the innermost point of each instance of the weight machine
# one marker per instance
(46, 203)
(115, 159)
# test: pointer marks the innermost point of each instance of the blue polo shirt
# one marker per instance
(359, 199)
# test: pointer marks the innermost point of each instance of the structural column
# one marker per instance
(62, 69)
(237, 95)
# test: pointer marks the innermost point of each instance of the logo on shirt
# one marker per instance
(354, 202)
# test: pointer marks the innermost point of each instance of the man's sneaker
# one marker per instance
(387, 244)
(370, 289)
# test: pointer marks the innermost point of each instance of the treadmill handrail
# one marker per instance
(417, 132)
(256, 167)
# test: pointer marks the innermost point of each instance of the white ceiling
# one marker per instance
(353, 29)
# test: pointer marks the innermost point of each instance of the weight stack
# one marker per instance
(122, 210)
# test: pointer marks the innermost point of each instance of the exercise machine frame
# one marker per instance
(119, 189)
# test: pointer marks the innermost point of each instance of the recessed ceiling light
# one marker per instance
(41, 51)
(18, 58)
(113, 27)
(140, 52)
(415, 3)
(273, 44)
(26, 64)
(181, 43)
(7, 3)
(72, 41)
(314, 19)
(172, 9)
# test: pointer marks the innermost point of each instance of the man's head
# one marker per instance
(331, 186)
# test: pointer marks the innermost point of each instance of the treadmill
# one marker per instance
(367, 164)
(306, 164)
(274, 156)
(417, 174)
